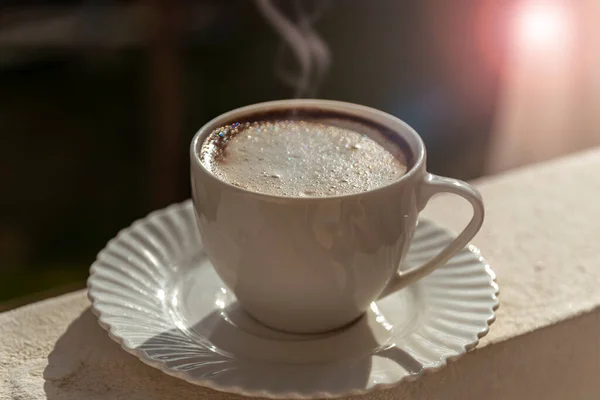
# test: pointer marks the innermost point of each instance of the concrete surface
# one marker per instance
(541, 236)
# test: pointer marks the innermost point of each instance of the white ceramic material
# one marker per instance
(309, 265)
(154, 289)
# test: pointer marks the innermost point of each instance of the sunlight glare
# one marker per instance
(543, 25)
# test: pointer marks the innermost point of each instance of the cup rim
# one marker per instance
(391, 122)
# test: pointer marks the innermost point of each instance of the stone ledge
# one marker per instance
(540, 237)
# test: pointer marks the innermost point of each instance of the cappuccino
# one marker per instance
(319, 157)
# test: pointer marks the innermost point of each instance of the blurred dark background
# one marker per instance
(99, 100)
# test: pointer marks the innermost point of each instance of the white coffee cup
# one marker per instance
(314, 264)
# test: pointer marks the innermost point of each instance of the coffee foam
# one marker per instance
(303, 158)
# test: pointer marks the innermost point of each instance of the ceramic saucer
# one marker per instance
(157, 294)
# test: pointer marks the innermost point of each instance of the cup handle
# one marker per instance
(431, 185)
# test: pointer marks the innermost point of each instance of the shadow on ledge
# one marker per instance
(86, 364)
